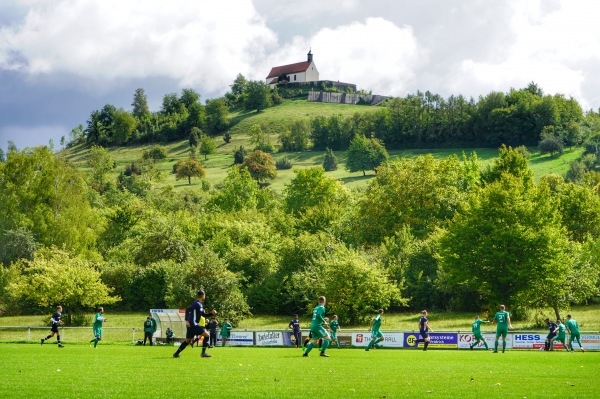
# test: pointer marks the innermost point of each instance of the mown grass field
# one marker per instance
(126, 371)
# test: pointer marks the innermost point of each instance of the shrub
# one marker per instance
(239, 155)
(155, 153)
(283, 163)
(330, 162)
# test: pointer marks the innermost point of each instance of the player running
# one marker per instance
(478, 336)
(424, 330)
(97, 326)
(562, 335)
(296, 330)
(374, 328)
(335, 327)
(575, 335)
(317, 329)
(502, 317)
(55, 320)
(192, 323)
(553, 328)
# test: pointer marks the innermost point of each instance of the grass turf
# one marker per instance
(123, 371)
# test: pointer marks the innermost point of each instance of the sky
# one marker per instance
(62, 59)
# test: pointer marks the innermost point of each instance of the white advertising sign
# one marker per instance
(239, 338)
(270, 338)
(392, 340)
(589, 341)
(466, 340)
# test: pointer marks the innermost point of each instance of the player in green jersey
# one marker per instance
(561, 337)
(97, 326)
(317, 329)
(225, 331)
(478, 336)
(335, 327)
(574, 333)
(374, 328)
(502, 317)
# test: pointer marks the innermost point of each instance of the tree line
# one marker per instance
(519, 117)
(426, 233)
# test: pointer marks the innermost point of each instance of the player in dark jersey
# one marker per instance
(55, 320)
(192, 322)
(424, 330)
(296, 330)
(553, 328)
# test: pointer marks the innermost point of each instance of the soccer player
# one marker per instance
(148, 330)
(502, 317)
(553, 328)
(317, 330)
(476, 328)
(193, 328)
(296, 330)
(561, 337)
(97, 326)
(55, 319)
(374, 328)
(335, 327)
(424, 330)
(575, 335)
(225, 330)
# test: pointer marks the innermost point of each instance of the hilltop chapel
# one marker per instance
(300, 72)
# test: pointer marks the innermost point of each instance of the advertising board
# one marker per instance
(269, 338)
(437, 340)
(392, 340)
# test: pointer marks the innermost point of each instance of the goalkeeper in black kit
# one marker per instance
(192, 322)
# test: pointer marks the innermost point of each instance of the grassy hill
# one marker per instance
(276, 119)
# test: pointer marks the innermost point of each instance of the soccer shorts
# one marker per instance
(561, 338)
(319, 333)
(502, 332)
(97, 332)
(225, 334)
(479, 337)
(575, 336)
(334, 335)
(376, 334)
(424, 334)
(54, 328)
(192, 331)
(550, 336)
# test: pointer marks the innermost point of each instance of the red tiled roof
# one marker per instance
(287, 69)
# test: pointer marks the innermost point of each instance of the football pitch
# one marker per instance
(125, 371)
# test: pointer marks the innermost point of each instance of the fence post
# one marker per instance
(28, 333)
(133, 335)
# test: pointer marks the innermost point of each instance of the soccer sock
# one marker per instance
(325, 345)
(183, 345)
(48, 337)
(96, 342)
(547, 345)
(425, 345)
(58, 338)
(337, 343)
(204, 345)
(579, 342)
(309, 347)
(378, 341)
(496, 345)
(486, 345)
(503, 346)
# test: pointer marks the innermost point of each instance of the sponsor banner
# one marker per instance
(437, 340)
(289, 339)
(239, 338)
(466, 340)
(590, 341)
(269, 338)
(392, 340)
(529, 340)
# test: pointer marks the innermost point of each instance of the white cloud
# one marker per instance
(552, 47)
(375, 54)
(202, 43)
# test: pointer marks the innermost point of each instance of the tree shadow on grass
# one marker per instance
(351, 179)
